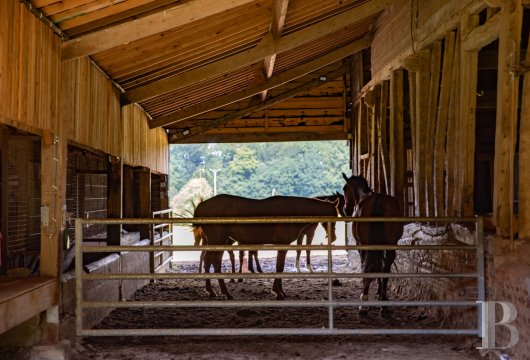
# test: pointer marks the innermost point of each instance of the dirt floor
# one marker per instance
(269, 347)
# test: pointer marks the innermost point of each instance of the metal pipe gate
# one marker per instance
(330, 303)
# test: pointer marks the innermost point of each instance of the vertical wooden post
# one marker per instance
(114, 199)
(143, 209)
(468, 102)
(430, 125)
(507, 103)
(420, 65)
(128, 192)
(384, 165)
(396, 151)
(453, 117)
(4, 197)
(413, 120)
(441, 123)
(524, 156)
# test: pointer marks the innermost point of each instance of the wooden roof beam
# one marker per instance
(279, 12)
(266, 47)
(198, 129)
(277, 80)
(149, 25)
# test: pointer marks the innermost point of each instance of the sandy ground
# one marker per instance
(268, 347)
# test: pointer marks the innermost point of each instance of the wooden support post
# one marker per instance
(373, 100)
(396, 151)
(452, 143)
(413, 119)
(507, 104)
(114, 200)
(384, 165)
(4, 197)
(524, 156)
(419, 112)
(441, 123)
(143, 199)
(430, 125)
(468, 101)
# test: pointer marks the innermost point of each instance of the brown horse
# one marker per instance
(361, 201)
(281, 233)
(309, 232)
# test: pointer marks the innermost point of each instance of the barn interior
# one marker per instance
(433, 98)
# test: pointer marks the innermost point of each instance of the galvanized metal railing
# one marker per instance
(161, 234)
(330, 303)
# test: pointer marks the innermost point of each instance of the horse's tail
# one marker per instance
(375, 258)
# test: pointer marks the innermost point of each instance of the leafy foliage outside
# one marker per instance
(256, 170)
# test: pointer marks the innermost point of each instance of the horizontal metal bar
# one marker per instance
(270, 303)
(270, 220)
(88, 248)
(314, 275)
(158, 226)
(273, 331)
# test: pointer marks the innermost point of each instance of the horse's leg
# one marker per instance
(277, 285)
(207, 256)
(233, 263)
(366, 281)
(217, 262)
(390, 256)
(258, 266)
(241, 260)
(308, 241)
(251, 257)
(298, 252)
(201, 261)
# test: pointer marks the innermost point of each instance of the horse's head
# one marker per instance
(354, 189)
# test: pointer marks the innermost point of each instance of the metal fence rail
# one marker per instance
(330, 303)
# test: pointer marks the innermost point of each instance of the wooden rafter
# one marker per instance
(187, 133)
(274, 81)
(266, 47)
(279, 11)
(146, 26)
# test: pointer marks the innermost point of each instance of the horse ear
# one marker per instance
(344, 176)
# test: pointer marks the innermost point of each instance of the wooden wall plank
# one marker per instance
(441, 124)
(524, 156)
(507, 103)
(430, 125)
(396, 151)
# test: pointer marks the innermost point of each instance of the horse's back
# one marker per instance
(236, 206)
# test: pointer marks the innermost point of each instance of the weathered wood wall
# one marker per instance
(143, 146)
(30, 70)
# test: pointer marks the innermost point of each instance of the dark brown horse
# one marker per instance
(361, 201)
(281, 233)
(309, 232)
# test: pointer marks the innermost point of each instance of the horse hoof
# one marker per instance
(363, 311)
(239, 280)
(212, 295)
(385, 311)
(232, 281)
(229, 297)
(336, 282)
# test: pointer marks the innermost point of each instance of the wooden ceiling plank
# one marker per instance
(146, 26)
(266, 48)
(274, 81)
(260, 106)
